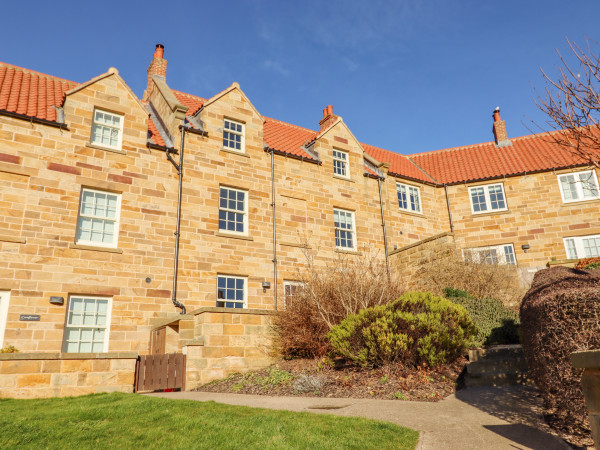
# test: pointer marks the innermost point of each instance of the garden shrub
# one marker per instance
(496, 324)
(444, 267)
(560, 314)
(588, 263)
(416, 329)
(331, 292)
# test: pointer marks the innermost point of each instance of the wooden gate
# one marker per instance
(158, 339)
(160, 372)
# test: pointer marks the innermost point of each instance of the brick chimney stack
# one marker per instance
(500, 130)
(158, 66)
(328, 117)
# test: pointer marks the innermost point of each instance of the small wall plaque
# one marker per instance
(29, 317)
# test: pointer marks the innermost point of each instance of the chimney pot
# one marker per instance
(160, 51)
(497, 114)
(329, 110)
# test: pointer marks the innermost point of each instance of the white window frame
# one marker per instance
(488, 201)
(4, 302)
(234, 133)
(409, 192)
(352, 230)
(109, 127)
(343, 159)
(578, 246)
(81, 216)
(500, 254)
(289, 297)
(579, 186)
(226, 209)
(243, 302)
(89, 327)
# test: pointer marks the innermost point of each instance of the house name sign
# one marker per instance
(29, 317)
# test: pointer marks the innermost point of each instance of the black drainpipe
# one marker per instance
(179, 168)
(387, 257)
(274, 228)
(449, 212)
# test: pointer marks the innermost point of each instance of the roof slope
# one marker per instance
(527, 154)
(35, 94)
(30, 93)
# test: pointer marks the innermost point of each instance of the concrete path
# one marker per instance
(475, 418)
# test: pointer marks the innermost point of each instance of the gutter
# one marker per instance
(292, 156)
(62, 126)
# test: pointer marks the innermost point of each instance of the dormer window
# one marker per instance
(107, 129)
(233, 135)
(340, 163)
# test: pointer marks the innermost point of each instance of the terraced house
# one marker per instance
(90, 189)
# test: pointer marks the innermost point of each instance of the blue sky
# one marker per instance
(408, 76)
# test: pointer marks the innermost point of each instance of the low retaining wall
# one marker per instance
(406, 260)
(42, 375)
(229, 341)
(590, 381)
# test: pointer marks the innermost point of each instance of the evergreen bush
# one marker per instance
(496, 324)
(418, 328)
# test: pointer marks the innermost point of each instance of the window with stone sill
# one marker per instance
(233, 210)
(345, 234)
(107, 129)
(98, 222)
(87, 325)
(498, 254)
(582, 246)
(231, 291)
(233, 135)
(409, 197)
(578, 186)
(340, 164)
(488, 198)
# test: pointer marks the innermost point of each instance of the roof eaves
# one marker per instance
(32, 119)
(416, 180)
(292, 155)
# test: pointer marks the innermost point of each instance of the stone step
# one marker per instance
(497, 379)
(497, 366)
(498, 352)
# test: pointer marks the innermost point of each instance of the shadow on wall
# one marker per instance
(521, 407)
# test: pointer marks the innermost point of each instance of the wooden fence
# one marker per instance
(160, 372)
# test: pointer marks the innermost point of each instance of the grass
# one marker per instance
(134, 421)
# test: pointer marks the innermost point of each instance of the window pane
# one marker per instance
(478, 199)
(569, 187)
(588, 184)
(496, 197)
(571, 249)
(591, 247)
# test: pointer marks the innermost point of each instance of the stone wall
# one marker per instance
(405, 261)
(227, 342)
(42, 375)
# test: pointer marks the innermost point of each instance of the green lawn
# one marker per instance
(134, 421)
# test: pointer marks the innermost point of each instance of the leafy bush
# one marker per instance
(416, 329)
(588, 263)
(444, 267)
(496, 324)
(9, 349)
(330, 293)
(559, 315)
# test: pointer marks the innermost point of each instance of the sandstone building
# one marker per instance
(89, 190)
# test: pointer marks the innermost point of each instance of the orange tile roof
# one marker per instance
(527, 154)
(191, 101)
(399, 164)
(287, 138)
(31, 93)
(154, 134)
(34, 94)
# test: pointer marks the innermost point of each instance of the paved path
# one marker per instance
(475, 418)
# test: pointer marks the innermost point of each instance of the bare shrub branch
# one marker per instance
(444, 268)
(332, 290)
(572, 103)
